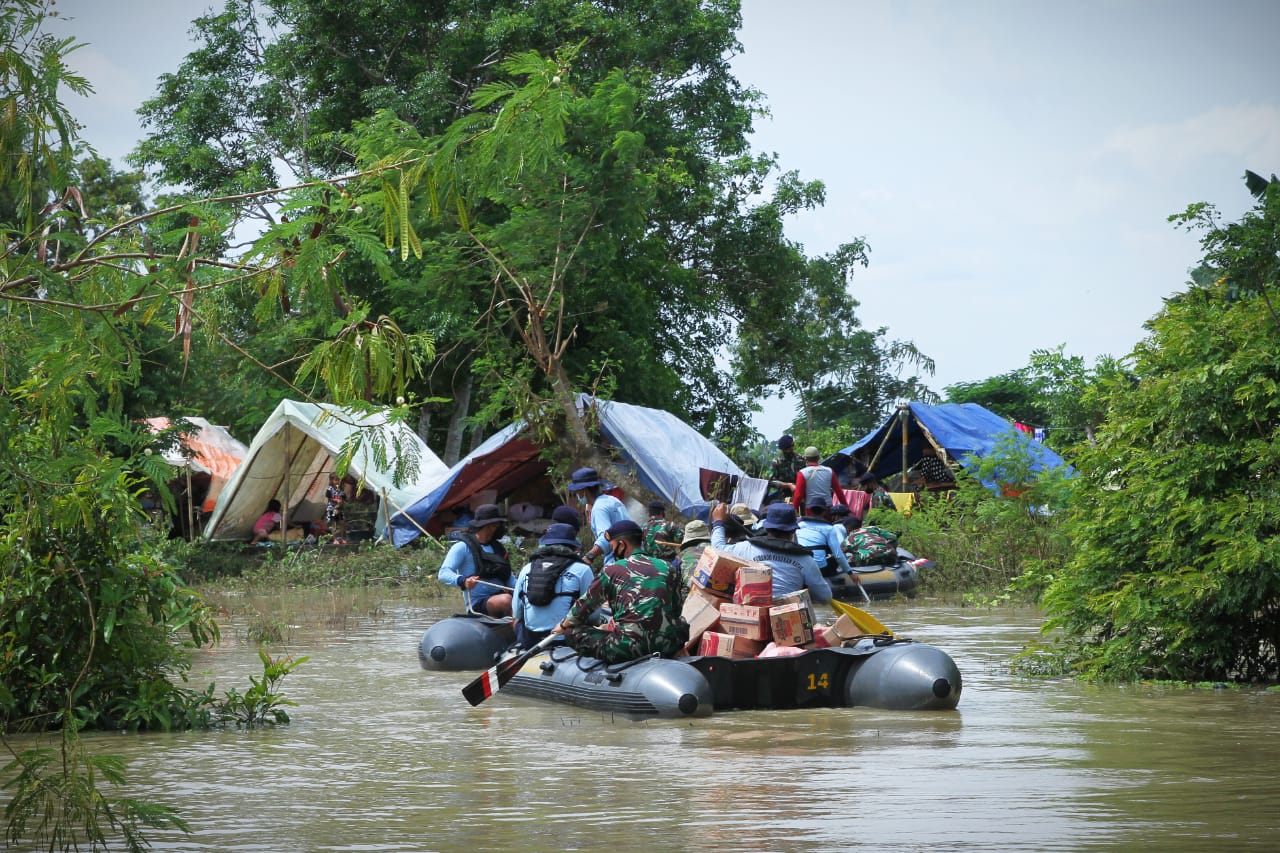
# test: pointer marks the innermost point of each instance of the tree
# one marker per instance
(677, 275)
(1176, 515)
(802, 336)
(95, 627)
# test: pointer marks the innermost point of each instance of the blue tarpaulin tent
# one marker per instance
(966, 431)
(663, 452)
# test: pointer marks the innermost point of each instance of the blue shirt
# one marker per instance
(814, 534)
(458, 565)
(605, 512)
(791, 572)
(577, 578)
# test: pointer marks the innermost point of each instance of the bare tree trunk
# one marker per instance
(457, 422)
(424, 425)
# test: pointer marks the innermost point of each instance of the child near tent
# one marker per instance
(267, 523)
(335, 495)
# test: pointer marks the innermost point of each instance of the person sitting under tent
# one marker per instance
(477, 563)
(644, 596)
(792, 564)
(933, 473)
(603, 509)
(549, 583)
(270, 526)
(880, 498)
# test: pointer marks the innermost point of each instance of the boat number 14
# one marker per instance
(819, 681)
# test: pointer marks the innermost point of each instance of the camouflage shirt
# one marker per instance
(645, 596)
(785, 468)
(660, 529)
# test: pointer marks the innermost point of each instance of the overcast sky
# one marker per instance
(1012, 164)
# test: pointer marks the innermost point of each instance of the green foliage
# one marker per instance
(1177, 573)
(58, 801)
(261, 705)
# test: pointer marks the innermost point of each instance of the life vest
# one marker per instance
(782, 546)
(546, 565)
(817, 482)
(494, 567)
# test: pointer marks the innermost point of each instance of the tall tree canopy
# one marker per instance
(1176, 517)
(676, 262)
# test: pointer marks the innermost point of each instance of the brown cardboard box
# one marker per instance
(717, 570)
(790, 624)
(716, 596)
(744, 648)
(842, 630)
(801, 595)
(754, 585)
(702, 613)
(745, 620)
(715, 643)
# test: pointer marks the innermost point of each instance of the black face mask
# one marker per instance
(500, 531)
(618, 551)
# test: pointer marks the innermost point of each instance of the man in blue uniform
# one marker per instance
(792, 564)
(549, 583)
(478, 564)
(603, 510)
(823, 539)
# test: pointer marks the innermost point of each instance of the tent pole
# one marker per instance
(400, 509)
(288, 471)
(191, 521)
(902, 416)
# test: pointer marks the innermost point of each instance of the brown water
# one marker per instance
(382, 756)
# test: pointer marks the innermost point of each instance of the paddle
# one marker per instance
(866, 623)
(492, 680)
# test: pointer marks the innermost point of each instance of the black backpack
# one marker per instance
(544, 572)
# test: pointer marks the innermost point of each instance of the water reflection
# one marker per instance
(384, 756)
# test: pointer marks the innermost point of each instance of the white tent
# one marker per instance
(293, 453)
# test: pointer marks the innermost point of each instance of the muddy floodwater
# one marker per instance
(382, 756)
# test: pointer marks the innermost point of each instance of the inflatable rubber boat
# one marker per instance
(882, 582)
(898, 675)
(465, 641)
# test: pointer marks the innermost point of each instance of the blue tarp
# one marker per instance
(967, 431)
(660, 450)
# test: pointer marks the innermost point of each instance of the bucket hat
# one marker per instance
(780, 517)
(585, 478)
(695, 531)
(560, 534)
(487, 514)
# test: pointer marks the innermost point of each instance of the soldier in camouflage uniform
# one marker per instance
(645, 596)
(657, 530)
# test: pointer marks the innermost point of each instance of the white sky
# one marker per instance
(1011, 164)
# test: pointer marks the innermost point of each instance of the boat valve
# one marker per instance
(614, 677)
(547, 667)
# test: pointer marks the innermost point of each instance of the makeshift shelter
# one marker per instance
(966, 432)
(293, 453)
(663, 452)
(207, 457)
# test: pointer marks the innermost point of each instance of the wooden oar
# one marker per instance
(866, 623)
(492, 680)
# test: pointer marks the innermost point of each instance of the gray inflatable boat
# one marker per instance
(465, 642)
(897, 675)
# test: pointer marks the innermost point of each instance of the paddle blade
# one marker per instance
(493, 679)
(866, 623)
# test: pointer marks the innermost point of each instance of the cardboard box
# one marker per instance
(790, 624)
(754, 585)
(745, 620)
(835, 635)
(802, 596)
(719, 597)
(717, 570)
(702, 613)
(715, 643)
(744, 648)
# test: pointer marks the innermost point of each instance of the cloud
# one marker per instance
(1246, 133)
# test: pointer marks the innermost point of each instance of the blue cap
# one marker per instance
(785, 442)
(567, 515)
(624, 528)
(780, 517)
(560, 534)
